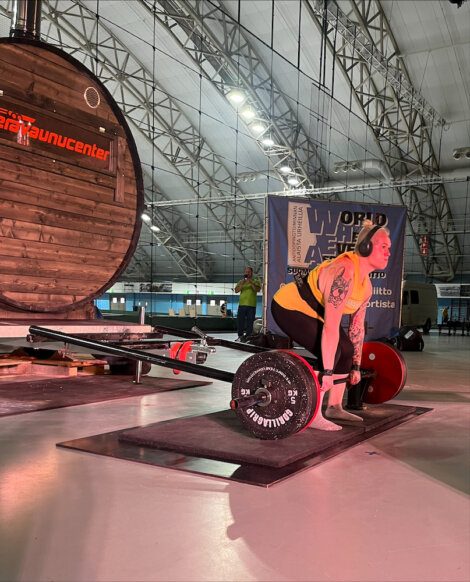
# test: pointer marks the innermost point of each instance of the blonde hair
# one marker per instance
(367, 226)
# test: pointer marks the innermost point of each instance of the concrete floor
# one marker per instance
(394, 508)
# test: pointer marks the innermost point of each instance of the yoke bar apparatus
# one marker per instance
(139, 355)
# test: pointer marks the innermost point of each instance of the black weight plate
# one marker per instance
(292, 389)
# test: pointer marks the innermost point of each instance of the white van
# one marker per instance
(419, 305)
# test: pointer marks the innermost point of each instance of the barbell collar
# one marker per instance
(261, 397)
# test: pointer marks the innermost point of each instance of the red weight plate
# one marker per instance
(316, 388)
(175, 346)
(390, 371)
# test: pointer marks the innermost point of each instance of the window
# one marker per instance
(414, 296)
(405, 297)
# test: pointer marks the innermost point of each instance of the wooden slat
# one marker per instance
(50, 302)
(56, 200)
(119, 192)
(61, 236)
(28, 313)
(33, 176)
(68, 220)
(26, 158)
(50, 82)
(88, 117)
(47, 55)
(54, 270)
(51, 252)
(62, 287)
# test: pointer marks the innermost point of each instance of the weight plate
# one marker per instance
(293, 394)
(390, 371)
(316, 389)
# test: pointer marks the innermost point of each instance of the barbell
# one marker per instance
(277, 393)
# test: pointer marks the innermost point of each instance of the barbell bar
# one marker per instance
(275, 393)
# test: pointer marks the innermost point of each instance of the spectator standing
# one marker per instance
(248, 287)
(445, 315)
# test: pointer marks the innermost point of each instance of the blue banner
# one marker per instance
(303, 233)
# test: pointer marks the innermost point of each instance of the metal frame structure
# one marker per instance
(402, 122)
(363, 47)
(138, 355)
(220, 48)
(159, 118)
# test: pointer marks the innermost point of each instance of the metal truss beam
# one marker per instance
(328, 190)
(402, 122)
(222, 51)
(150, 109)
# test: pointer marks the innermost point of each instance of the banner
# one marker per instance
(303, 233)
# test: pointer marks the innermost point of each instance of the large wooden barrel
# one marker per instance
(71, 189)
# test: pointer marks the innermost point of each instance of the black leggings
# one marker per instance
(307, 332)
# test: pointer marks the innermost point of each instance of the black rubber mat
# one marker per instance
(19, 397)
(110, 445)
(221, 436)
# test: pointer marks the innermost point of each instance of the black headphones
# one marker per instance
(364, 248)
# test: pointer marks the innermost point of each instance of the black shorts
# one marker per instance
(307, 332)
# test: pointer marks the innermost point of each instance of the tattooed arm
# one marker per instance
(356, 331)
(336, 287)
(356, 335)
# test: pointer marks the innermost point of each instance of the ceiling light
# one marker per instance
(155, 228)
(285, 169)
(268, 142)
(236, 96)
(145, 217)
(248, 113)
(258, 127)
(293, 181)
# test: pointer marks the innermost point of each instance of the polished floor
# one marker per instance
(394, 508)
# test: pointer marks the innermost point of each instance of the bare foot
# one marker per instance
(338, 413)
(321, 423)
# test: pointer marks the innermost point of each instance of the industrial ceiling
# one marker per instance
(351, 100)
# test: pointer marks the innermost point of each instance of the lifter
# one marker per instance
(309, 311)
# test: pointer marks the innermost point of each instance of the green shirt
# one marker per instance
(248, 294)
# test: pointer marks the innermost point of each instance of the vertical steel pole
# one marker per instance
(26, 21)
(265, 265)
(138, 365)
